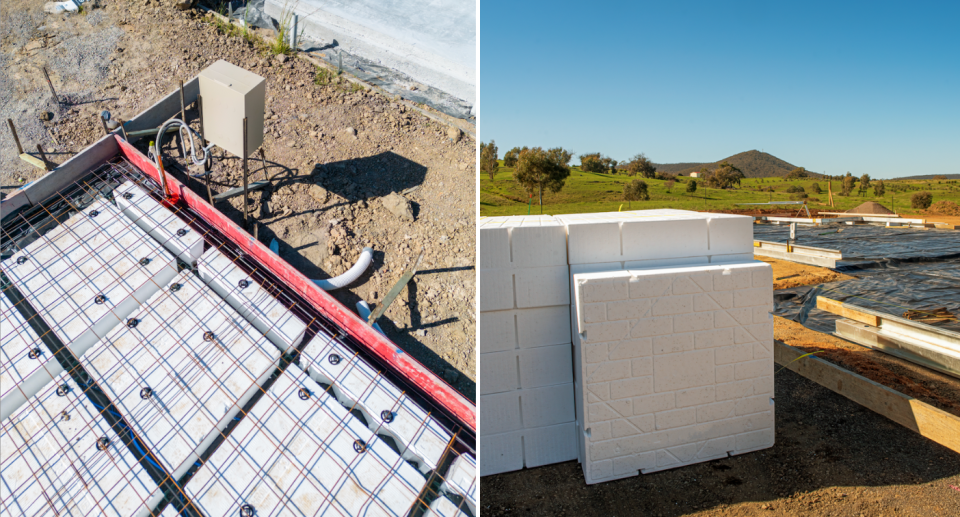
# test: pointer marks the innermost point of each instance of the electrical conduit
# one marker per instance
(366, 257)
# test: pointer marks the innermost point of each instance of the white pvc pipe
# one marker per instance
(366, 257)
(364, 311)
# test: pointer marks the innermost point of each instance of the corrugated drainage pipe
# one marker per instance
(366, 257)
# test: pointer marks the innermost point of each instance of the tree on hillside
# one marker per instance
(864, 183)
(510, 159)
(592, 162)
(669, 184)
(797, 174)
(488, 158)
(635, 190)
(539, 169)
(613, 166)
(724, 176)
(692, 186)
(849, 182)
(879, 189)
(641, 165)
(815, 188)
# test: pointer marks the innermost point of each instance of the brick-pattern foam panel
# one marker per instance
(26, 365)
(161, 223)
(299, 452)
(253, 302)
(357, 385)
(90, 273)
(674, 366)
(58, 456)
(181, 369)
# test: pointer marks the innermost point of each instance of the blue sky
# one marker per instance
(866, 87)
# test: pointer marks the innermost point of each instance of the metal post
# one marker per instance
(122, 130)
(263, 160)
(16, 138)
(203, 142)
(103, 123)
(245, 195)
(43, 157)
(296, 20)
(50, 84)
(183, 111)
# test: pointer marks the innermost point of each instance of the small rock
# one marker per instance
(422, 332)
(46, 116)
(282, 58)
(291, 143)
(398, 206)
(313, 134)
(50, 150)
(463, 166)
(454, 134)
(33, 45)
(350, 131)
(450, 375)
(318, 193)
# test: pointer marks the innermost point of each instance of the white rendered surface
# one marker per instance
(357, 384)
(673, 366)
(295, 456)
(198, 386)
(254, 303)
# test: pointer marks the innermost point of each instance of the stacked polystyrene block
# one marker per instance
(300, 452)
(58, 456)
(527, 416)
(160, 222)
(272, 318)
(180, 369)
(387, 410)
(26, 364)
(89, 273)
(674, 366)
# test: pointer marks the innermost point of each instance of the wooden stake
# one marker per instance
(43, 157)
(50, 84)
(16, 138)
(263, 160)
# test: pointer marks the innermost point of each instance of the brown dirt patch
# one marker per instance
(934, 388)
(788, 274)
(944, 207)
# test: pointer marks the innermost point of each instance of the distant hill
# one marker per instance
(927, 177)
(754, 164)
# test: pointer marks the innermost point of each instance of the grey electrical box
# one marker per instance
(229, 94)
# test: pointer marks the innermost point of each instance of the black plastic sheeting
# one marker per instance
(896, 270)
(891, 289)
(866, 246)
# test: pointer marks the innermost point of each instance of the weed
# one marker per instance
(323, 77)
(282, 45)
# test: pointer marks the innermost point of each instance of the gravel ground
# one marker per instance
(334, 154)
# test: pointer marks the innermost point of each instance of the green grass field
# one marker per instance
(592, 192)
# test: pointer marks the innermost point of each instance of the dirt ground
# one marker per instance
(788, 274)
(334, 153)
(832, 457)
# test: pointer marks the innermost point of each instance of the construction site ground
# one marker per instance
(334, 152)
(832, 457)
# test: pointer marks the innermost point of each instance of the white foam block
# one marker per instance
(197, 385)
(444, 507)
(499, 452)
(635, 235)
(51, 463)
(498, 413)
(522, 242)
(678, 369)
(160, 222)
(356, 384)
(461, 479)
(86, 275)
(529, 448)
(498, 372)
(730, 234)
(26, 365)
(253, 302)
(524, 328)
(297, 451)
(545, 366)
